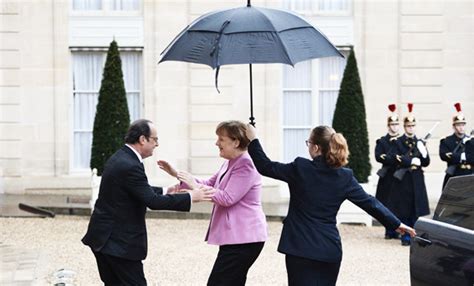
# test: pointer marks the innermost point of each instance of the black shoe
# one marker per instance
(405, 242)
(392, 236)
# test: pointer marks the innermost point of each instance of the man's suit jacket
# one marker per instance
(237, 216)
(117, 226)
(316, 193)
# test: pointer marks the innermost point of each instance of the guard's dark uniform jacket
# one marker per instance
(470, 152)
(385, 151)
(408, 198)
(452, 157)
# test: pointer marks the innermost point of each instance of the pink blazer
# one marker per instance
(237, 216)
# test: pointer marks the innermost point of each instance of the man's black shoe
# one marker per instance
(392, 236)
(405, 242)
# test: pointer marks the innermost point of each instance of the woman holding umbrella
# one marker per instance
(318, 187)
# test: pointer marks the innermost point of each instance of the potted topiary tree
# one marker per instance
(350, 120)
(112, 117)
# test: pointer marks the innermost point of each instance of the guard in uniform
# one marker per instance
(452, 149)
(408, 198)
(385, 149)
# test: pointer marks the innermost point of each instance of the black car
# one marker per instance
(442, 253)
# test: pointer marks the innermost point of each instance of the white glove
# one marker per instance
(416, 162)
(463, 156)
(422, 148)
(465, 139)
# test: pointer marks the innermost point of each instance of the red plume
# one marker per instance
(458, 106)
(410, 107)
(392, 107)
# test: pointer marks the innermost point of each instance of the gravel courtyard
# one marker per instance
(177, 254)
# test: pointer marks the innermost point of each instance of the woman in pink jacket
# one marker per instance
(237, 223)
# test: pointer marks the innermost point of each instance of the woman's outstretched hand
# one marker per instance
(174, 189)
(251, 132)
(402, 229)
(165, 166)
(188, 179)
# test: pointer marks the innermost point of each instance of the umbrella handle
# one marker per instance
(252, 121)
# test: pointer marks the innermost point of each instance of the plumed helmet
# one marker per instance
(409, 118)
(393, 117)
(459, 116)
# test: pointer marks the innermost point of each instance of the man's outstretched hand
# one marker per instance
(202, 194)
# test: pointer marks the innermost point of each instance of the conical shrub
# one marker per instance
(350, 120)
(112, 117)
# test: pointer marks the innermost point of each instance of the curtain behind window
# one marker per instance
(331, 71)
(311, 6)
(125, 5)
(132, 76)
(333, 5)
(297, 104)
(87, 4)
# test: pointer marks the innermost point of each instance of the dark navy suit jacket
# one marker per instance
(316, 193)
(117, 226)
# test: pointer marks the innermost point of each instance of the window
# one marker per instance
(310, 91)
(297, 106)
(105, 5)
(125, 5)
(331, 71)
(308, 7)
(456, 205)
(87, 77)
(87, 5)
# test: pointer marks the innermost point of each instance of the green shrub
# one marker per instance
(112, 117)
(350, 120)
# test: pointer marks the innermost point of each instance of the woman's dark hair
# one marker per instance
(333, 145)
(235, 130)
(138, 128)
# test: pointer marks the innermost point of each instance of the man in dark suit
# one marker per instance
(117, 232)
(452, 149)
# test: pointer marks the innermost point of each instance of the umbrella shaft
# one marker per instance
(251, 97)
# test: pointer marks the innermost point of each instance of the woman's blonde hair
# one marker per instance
(235, 130)
(333, 145)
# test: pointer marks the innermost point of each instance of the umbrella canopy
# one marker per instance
(248, 35)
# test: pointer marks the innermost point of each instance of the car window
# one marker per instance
(456, 205)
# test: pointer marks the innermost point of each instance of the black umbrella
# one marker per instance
(248, 35)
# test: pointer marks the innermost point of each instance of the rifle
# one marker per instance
(400, 173)
(452, 168)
